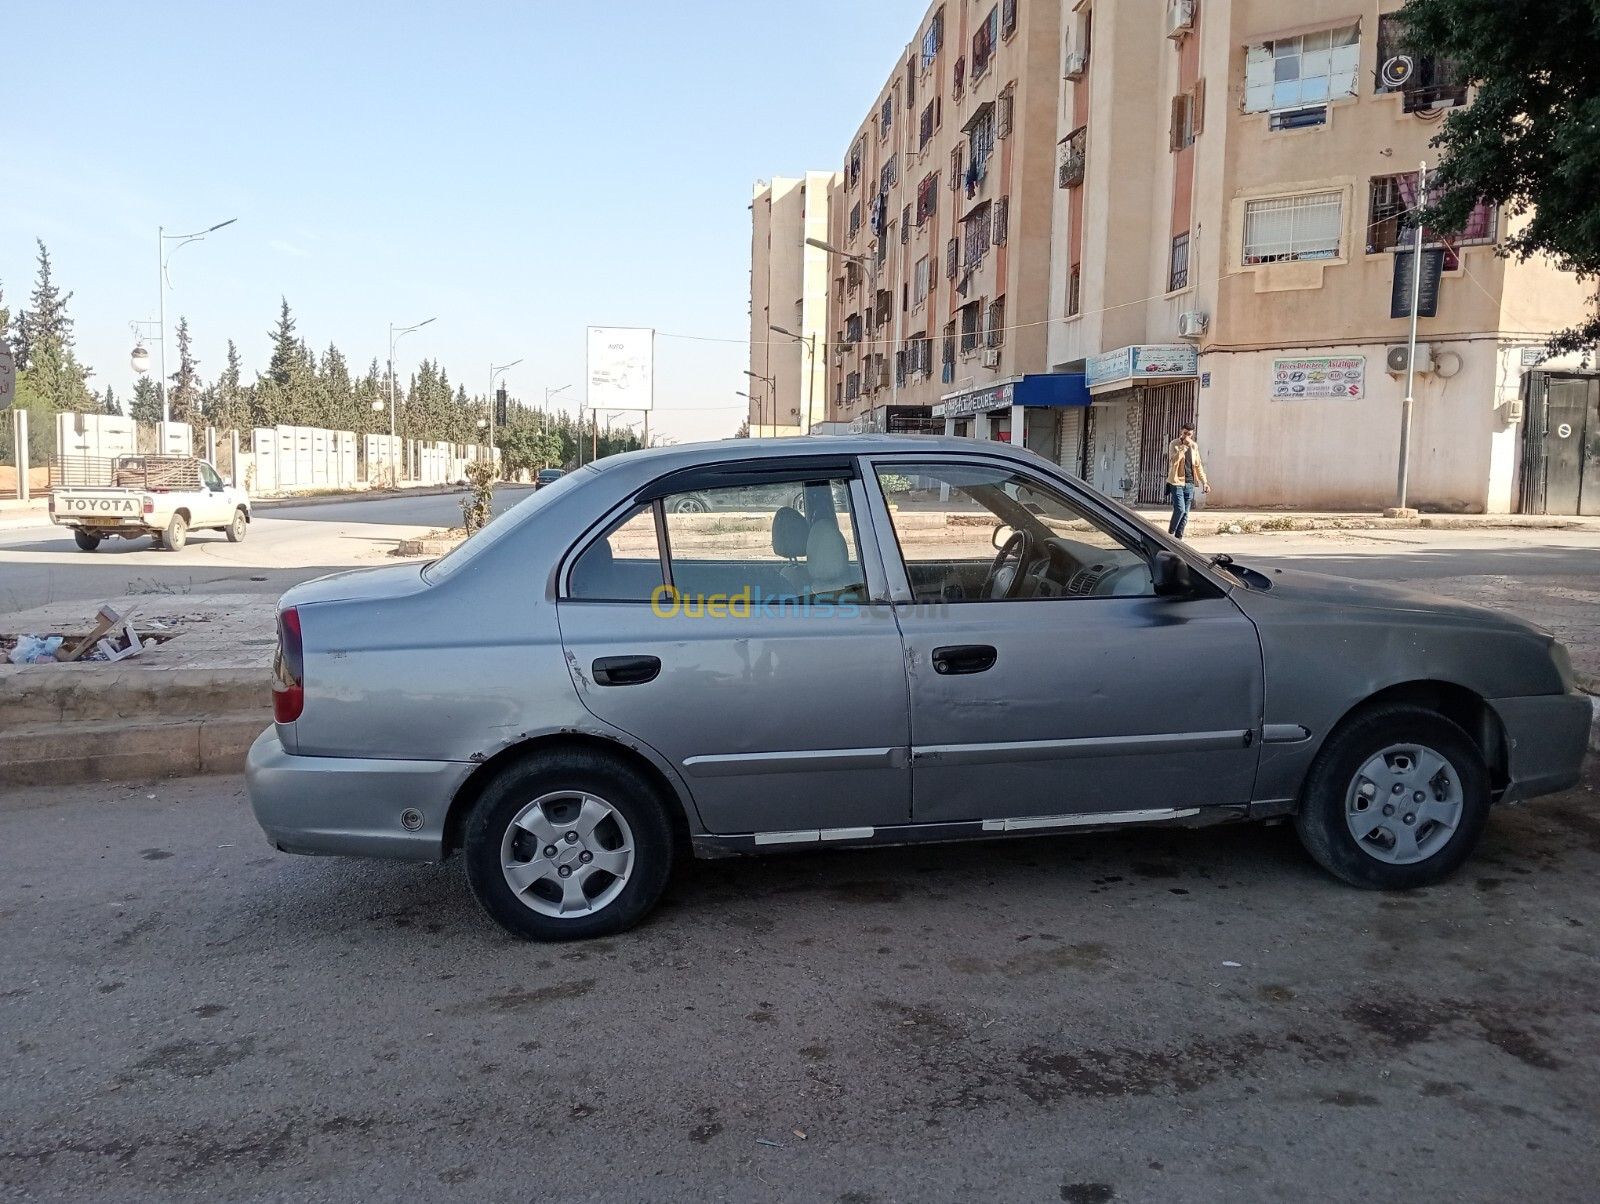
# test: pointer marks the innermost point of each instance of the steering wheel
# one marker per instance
(998, 584)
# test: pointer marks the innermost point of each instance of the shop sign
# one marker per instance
(1320, 378)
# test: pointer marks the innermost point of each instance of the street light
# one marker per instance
(396, 333)
(548, 394)
(772, 393)
(163, 257)
(811, 374)
(494, 372)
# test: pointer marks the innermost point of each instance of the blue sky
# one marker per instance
(517, 170)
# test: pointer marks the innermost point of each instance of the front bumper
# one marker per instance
(350, 806)
(1546, 739)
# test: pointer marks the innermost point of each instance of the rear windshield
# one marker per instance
(453, 561)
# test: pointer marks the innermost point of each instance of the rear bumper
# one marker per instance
(1546, 739)
(350, 806)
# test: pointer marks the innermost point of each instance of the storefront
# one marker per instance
(1140, 396)
(1032, 411)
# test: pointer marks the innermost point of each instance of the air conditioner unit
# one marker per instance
(1397, 356)
(1077, 64)
(991, 358)
(1180, 18)
(1193, 325)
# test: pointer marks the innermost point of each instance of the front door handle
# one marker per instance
(963, 658)
(626, 670)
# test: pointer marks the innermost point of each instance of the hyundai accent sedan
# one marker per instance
(890, 640)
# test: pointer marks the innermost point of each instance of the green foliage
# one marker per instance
(184, 394)
(476, 505)
(146, 405)
(1530, 140)
(50, 380)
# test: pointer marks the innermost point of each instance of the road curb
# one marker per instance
(63, 754)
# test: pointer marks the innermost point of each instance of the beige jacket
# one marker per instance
(1175, 451)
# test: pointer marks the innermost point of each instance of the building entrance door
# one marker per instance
(1561, 444)
(1164, 409)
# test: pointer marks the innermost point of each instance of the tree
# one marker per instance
(227, 406)
(744, 430)
(146, 405)
(1528, 141)
(49, 378)
(5, 317)
(524, 447)
(109, 403)
(184, 396)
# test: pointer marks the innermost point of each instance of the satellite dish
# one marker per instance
(1397, 72)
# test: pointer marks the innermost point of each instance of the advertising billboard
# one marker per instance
(621, 368)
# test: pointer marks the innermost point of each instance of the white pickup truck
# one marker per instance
(132, 496)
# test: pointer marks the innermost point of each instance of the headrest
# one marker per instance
(789, 533)
(827, 556)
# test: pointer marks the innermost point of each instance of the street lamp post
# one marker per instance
(548, 394)
(810, 342)
(163, 258)
(493, 373)
(396, 333)
(772, 394)
(872, 266)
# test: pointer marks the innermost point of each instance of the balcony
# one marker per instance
(1072, 159)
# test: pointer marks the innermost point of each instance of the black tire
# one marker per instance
(623, 788)
(1322, 820)
(84, 540)
(176, 534)
(689, 504)
(237, 527)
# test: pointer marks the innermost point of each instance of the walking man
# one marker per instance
(1184, 472)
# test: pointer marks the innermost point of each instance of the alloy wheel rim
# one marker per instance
(1404, 804)
(567, 854)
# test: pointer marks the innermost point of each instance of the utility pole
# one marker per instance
(1411, 354)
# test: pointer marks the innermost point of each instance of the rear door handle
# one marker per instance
(626, 670)
(963, 658)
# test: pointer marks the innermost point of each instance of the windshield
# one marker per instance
(453, 561)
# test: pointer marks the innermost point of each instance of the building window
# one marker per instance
(983, 42)
(1392, 197)
(1188, 117)
(889, 176)
(971, 326)
(1428, 81)
(952, 258)
(1006, 107)
(927, 197)
(957, 165)
(852, 275)
(905, 225)
(1178, 272)
(852, 386)
(1002, 220)
(995, 335)
(919, 282)
(1008, 18)
(855, 218)
(930, 121)
(853, 171)
(1072, 158)
(947, 354)
(976, 228)
(958, 81)
(920, 354)
(1304, 72)
(1298, 227)
(852, 328)
(883, 308)
(933, 39)
(886, 117)
(1074, 290)
(981, 140)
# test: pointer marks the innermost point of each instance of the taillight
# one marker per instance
(52, 503)
(288, 688)
(149, 505)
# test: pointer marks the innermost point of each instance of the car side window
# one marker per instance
(209, 477)
(785, 539)
(981, 533)
(623, 565)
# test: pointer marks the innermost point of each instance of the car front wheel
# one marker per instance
(1397, 799)
(568, 845)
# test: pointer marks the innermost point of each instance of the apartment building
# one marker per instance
(1230, 247)
(940, 280)
(787, 391)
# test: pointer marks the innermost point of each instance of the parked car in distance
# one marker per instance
(547, 476)
(945, 640)
(127, 497)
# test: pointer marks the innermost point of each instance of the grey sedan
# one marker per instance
(888, 640)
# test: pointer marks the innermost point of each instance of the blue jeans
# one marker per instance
(1182, 503)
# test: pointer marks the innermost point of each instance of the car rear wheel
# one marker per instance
(85, 541)
(568, 845)
(176, 534)
(237, 527)
(1397, 799)
(688, 505)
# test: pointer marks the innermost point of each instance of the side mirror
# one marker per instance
(1001, 535)
(1169, 573)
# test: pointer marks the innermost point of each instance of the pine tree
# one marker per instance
(146, 405)
(184, 396)
(109, 403)
(49, 378)
(227, 407)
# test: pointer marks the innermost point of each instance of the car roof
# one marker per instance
(691, 455)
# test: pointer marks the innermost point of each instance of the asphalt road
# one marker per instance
(40, 564)
(188, 1015)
